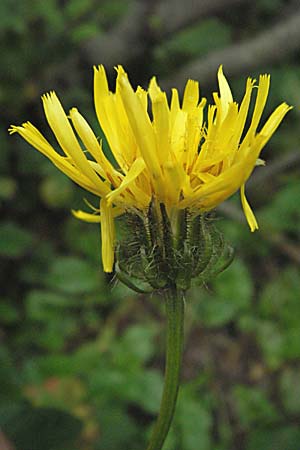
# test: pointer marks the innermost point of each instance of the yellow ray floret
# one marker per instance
(166, 152)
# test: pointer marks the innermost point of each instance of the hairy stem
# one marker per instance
(174, 302)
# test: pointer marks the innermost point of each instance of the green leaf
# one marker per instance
(54, 336)
(40, 368)
(147, 390)
(10, 389)
(77, 8)
(45, 305)
(9, 314)
(193, 422)
(14, 240)
(284, 205)
(271, 340)
(196, 40)
(83, 238)
(73, 276)
(253, 406)
(85, 31)
(290, 389)
(269, 6)
(136, 344)
(280, 298)
(114, 9)
(284, 438)
(40, 428)
(279, 332)
(229, 296)
(118, 430)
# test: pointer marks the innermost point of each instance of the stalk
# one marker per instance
(174, 301)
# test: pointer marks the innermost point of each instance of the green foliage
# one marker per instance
(73, 276)
(35, 428)
(194, 41)
(229, 297)
(14, 240)
(253, 407)
(274, 439)
(290, 397)
(270, 6)
(279, 333)
(285, 204)
(193, 422)
(200, 39)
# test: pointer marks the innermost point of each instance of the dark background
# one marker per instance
(81, 356)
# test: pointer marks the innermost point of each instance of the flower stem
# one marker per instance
(174, 301)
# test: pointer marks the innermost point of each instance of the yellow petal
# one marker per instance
(274, 121)
(86, 217)
(143, 96)
(175, 107)
(178, 134)
(225, 92)
(94, 218)
(261, 99)
(248, 211)
(243, 112)
(212, 193)
(137, 167)
(32, 135)
(161, 120)
(107, 235)
(177, 181)
(65, 136)
(108, 111)
(142, 128)
(190, 96)
(92, 144)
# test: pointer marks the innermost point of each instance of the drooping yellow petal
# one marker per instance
(95, 218)
(248, 211)
(107, 235)
(86, 217)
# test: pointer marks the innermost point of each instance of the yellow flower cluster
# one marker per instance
(172, 155)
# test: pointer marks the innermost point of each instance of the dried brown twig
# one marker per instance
(270, 46)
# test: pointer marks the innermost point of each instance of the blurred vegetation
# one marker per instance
(82, 357)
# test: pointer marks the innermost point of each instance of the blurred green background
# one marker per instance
(81, 356)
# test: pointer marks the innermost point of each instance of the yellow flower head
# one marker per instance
(172, 155)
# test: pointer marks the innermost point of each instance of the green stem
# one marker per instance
(174, 301)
